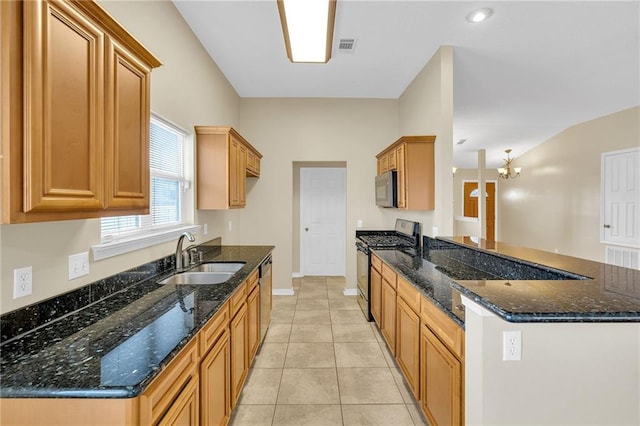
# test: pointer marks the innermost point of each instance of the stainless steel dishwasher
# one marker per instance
(265, 284)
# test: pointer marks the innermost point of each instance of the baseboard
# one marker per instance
(297, 275)
(282, 292)
(350, 292)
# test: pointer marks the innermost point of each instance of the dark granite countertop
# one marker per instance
(114, 347)
(518, 284)
(606, 293)
(427, 278)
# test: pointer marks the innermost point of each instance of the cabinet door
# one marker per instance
(241, 178)
(253, 320)
(64, 109)
(237, 173)
(239, 367)
(388, 327)
(184, 410)
(392, 160)
(376, 295)
(441, 382)
(127, 130)
(408, 345)
(383, 164)
(215, 384)
(402, 177)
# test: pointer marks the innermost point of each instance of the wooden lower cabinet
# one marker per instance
(165, 397)
(375, 296)
(408, 345)
(239, 364)
(184, 410)
(388, 327)
(253, 323)
(441, 381)
(215, 382)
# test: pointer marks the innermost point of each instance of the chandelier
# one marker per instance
(506, 171)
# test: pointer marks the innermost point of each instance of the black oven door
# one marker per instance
(364, 265)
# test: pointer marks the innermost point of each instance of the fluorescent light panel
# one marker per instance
(307, 26)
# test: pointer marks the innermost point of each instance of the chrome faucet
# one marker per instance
(191, 239)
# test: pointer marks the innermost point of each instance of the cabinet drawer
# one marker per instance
(165, 388)
(238, 298)
(376, 262)
(211, 332)
(444, 327)
(409, 294)
(389, 275)
(252, 281)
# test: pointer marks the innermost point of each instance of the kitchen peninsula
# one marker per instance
(136, 351)
(579, 325)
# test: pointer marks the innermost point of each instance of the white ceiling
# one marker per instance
(530, 71)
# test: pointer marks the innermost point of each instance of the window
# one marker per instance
(167, 180)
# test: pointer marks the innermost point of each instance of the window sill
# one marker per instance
(106, 250)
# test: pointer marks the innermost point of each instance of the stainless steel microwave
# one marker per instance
(386, 189)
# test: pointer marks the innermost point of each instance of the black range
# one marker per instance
(405, 235)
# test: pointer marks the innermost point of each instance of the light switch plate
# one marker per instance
(22, 282)
(78, 265)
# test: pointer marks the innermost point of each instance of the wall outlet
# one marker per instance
(512, 345)
(359, 223)
(22, 282)
(205, 229)
(230, 226)
(78, 265)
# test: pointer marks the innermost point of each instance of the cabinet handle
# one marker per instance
(306, 229)
(607, 226)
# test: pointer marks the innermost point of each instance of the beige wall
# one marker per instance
(555, 203)
(569, 374)
(310, 130)
(426, 108)
(188, 89)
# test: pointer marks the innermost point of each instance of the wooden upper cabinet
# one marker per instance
(224, 160)
(413, 159)
(76, 102)
(127, 141)
(64, 109)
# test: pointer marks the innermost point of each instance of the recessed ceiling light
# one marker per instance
(479, 15)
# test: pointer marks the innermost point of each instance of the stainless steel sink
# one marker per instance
(218, 267)
(198, 278)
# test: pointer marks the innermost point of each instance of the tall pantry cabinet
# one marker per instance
(75, 113)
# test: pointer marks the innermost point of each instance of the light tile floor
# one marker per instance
(322, 364)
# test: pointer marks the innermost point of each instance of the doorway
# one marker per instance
(322, 226)
(470, 206)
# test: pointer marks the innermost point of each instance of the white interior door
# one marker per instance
(621, 197)
(322, 220)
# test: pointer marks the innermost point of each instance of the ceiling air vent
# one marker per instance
(346, 45)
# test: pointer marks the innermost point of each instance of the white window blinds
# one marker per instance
(167, 176)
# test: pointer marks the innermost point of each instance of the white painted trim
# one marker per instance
(282, 292)
(297, 275)
(350, 292)
(106, 250)
(466, 219)
(474, 307)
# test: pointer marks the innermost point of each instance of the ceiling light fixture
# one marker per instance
(506, 171)
(479, 15)
(307, 26)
